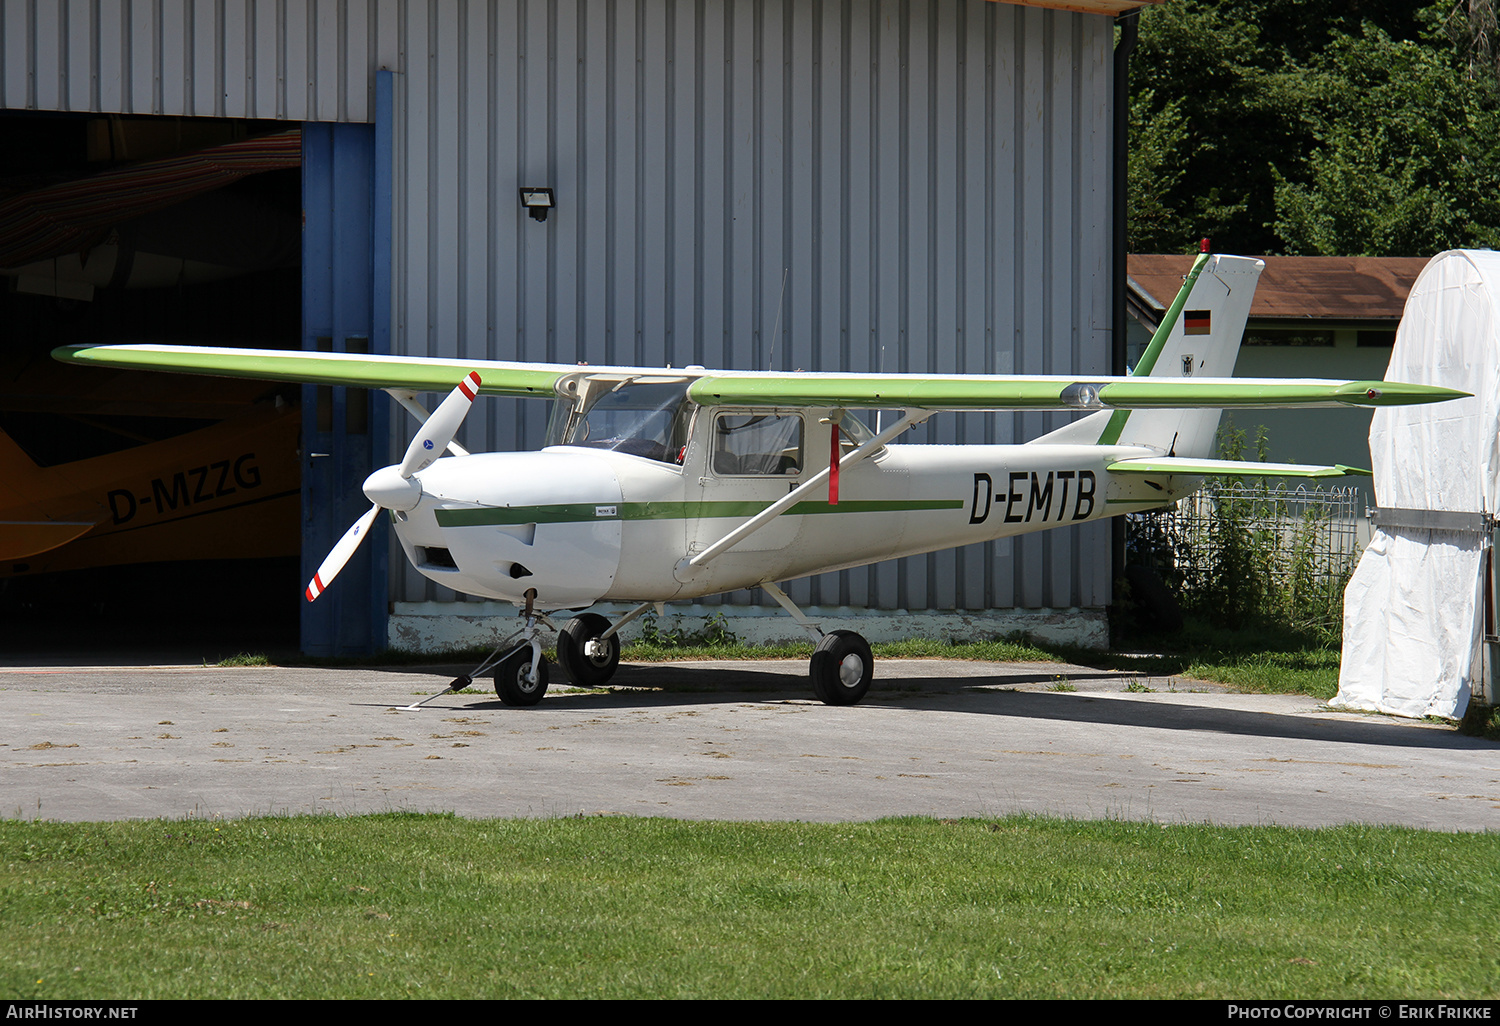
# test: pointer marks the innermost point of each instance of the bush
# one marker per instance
(1254, 554)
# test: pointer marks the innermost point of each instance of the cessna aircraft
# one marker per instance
(663, 484)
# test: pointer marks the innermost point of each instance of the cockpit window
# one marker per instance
(755, 444)
(641, 419)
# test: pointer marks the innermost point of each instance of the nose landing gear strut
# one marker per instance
(521, 674)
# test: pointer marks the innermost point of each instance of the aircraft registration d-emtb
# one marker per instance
(663, 484)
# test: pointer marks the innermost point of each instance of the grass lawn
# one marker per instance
(435, 906)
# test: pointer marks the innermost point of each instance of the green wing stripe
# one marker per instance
(873, 391)
(1169, 393)
(953, 392)
(1231, 468)
(948, 392)
(1116, 425)
(569, 513)
(417, 374)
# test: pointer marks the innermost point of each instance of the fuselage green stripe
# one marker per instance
(567, 513)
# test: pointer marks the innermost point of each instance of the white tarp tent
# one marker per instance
(1414, 610)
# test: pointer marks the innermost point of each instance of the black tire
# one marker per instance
(842, 668)
(511, 679)
(585, 670)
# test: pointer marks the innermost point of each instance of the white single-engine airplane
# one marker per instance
(661, 484)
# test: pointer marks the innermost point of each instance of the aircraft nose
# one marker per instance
(388, 489)
(512, 522)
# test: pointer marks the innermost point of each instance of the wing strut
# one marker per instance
(688, 567)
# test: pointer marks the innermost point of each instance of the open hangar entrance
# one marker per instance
(147, 512)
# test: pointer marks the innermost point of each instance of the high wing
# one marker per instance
(932, 392)
(421, 374)
(1050, 392)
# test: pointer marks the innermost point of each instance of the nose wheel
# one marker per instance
(515, 680)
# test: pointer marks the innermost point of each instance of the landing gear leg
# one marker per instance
(525, 683)
(521, 678)
(842, 666)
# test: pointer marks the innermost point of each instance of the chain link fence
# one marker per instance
(1242, 555)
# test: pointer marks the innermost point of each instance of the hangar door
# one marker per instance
(345, 309)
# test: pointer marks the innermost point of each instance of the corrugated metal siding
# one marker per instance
(297, 60)
(930, 177)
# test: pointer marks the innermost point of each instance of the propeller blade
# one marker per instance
(340, 553)
(433, 436)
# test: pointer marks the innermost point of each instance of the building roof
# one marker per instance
(1341, 289)
(1109, 7)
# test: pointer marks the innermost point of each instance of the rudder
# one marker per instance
(1199, 336)
(1203, 341)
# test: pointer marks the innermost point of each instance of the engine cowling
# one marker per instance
(499, 524)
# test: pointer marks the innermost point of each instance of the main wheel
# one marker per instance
(842, 668)
(514, 681)
(587, 671)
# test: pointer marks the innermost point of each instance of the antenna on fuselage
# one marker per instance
(780, 302)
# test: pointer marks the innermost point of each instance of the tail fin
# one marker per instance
(1199, 337)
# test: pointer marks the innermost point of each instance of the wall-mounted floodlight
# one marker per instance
(537, 201)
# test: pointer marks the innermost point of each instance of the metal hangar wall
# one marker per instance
(792, 184)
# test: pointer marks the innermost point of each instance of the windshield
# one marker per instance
(648, 419)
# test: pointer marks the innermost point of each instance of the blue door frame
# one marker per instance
(345, 431)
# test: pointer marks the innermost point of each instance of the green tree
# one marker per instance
(1472, 28)
(1406, 160)
(1193, 74)
(1327, 126)
(1158, 152)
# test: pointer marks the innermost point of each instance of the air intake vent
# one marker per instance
(438, 559)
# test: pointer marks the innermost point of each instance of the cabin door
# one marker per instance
(753, 459)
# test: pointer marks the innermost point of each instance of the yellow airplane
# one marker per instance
(228, 490)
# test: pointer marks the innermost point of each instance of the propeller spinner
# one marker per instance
(394, 487)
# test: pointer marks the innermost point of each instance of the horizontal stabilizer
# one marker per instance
(1229, 468)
